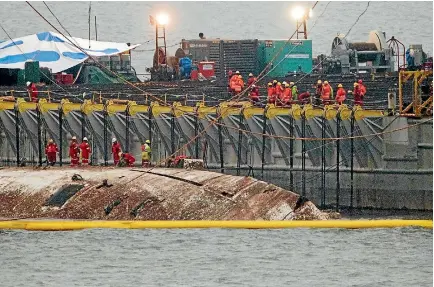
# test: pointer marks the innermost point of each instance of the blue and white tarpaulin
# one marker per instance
(54, 51)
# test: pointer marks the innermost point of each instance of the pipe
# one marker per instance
(196, 132)
(105, 137)
(38, 114)
(352, 164)
(222, 165)
(303, 154)
(240, 138)
(83, 125)
(127, 130)
(17, 133)
(338, 149)
(323, 163)
(264, 130)
(291, 153)
(172, 134)
(60, 136)
(150, 129)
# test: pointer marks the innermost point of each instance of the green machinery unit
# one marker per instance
(292, 56)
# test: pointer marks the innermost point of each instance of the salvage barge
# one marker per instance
(144, 194)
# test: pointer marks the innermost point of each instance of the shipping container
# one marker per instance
(251, 56)
(291, 56)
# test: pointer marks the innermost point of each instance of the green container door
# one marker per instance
(32, 72)
(295, 54)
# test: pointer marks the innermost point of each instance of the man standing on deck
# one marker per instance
(340, 95)
(251, 80)
(85, 151)
(362, 88)
(74, 151)
(50, 151)
(318, 93)
(116, 149)
(146, 153)
(358, 98)
(234, 82)
(326, 93)
(33, 92)
(254, 94)
(271, 97)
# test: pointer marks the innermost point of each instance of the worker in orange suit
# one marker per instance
(126, 159)
(271, 97)
(362, 88)
(74, 151)
(233, 82)
(240, 84)
(51, 151)
(116, 149)
(254, 94)
(251, 80)
(341, 95)
(85, 151)
(326, 93)
(278, 92)
(286, 98)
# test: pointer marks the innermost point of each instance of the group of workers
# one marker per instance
(83, 151)
(285, 94)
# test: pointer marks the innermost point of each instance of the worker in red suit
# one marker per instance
(85, 151)
(341, 95)
(127, 159)
(252, 79)
(254, 94)
(357, 94)
(74, 151)
(362, 88)
(286, 97)
(116, 149)
(50, 151)
(326, 93)
(304, 98)
(271, 97)
(33, 92)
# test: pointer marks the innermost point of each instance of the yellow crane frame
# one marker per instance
(414, 109)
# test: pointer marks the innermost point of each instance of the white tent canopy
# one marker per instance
(54, 51)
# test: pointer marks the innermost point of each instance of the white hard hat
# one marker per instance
(85, 138)
(237, 72)
(28, 84)
(253, 86)
(284, 83)
(250, 75)
(74, 138)
(113, 140)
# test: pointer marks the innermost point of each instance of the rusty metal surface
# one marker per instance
(135, 194)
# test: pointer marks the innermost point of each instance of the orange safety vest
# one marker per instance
(233, 82)
(286, 95)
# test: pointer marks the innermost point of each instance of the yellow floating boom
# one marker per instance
(39, 225)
